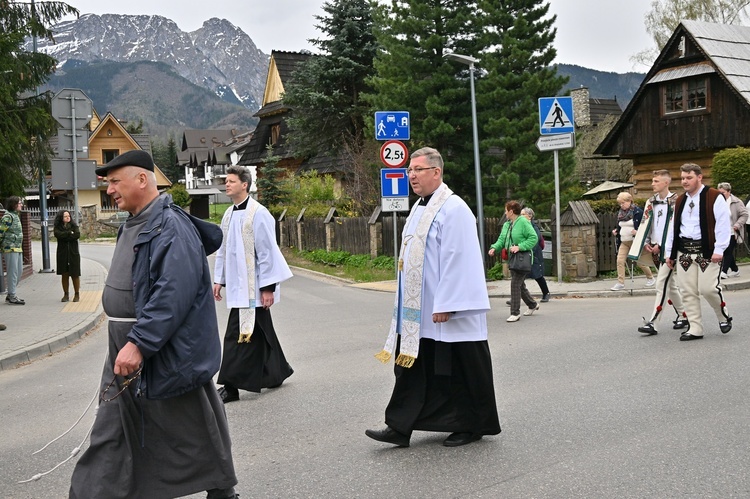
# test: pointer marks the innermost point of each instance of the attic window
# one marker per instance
(275, 133)
(685, 95)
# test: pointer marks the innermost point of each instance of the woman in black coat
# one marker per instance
(537, 268)
(68, 257)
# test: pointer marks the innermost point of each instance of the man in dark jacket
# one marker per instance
(160, 430)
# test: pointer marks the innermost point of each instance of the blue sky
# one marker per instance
(597, 34)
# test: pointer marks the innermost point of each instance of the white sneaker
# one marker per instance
(650, 282)
(724, 275)
(733, 273)
(531, 310)
(513, 318)
(618, 287)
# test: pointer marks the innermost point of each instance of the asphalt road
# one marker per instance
(588, 407)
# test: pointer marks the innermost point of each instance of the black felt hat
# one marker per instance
(138, 158)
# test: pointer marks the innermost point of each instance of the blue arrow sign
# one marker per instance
(394, 183)
(392, 125)
(556, 115)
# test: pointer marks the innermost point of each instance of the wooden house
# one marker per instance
(272, 128)
(693, 102)
(107, 139)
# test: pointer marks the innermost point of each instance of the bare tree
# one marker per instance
(665, 15)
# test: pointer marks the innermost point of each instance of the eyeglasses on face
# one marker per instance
(409, 171)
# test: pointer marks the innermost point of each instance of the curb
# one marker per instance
(51, 345)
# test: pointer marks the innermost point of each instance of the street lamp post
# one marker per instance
(468, 60)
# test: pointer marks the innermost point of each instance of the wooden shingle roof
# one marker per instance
(726, 49)
(579, 213)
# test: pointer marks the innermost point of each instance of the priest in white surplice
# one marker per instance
(438, 334)
(250, 265)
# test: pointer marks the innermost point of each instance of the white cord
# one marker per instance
(74, 425)
(76, 450)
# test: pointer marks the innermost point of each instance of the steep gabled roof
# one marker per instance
(728, 47)
(725, 49)
(205, 139)
(281, 66)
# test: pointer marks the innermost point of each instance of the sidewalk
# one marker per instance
(599, 288)
(45, 325)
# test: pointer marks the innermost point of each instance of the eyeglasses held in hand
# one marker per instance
(125, 384)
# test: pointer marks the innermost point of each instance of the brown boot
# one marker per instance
(65, 283)
(76, 287)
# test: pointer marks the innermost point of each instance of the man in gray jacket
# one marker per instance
(160, 430)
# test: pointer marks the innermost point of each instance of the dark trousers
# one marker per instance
(729, 262)
(542, 285)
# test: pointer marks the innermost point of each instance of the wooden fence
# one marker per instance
(374, 236)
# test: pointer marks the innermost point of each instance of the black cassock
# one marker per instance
(255, 365)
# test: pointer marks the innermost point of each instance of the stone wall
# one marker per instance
(578, 252)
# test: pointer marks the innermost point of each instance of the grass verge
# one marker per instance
(355, 268)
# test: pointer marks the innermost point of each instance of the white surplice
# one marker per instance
(230, 268)
(453, 275)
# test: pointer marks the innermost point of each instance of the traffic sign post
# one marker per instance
(394, 182)
(556, 115)
(558, 132)
(392, 125)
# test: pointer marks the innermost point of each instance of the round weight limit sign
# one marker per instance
(394, 154)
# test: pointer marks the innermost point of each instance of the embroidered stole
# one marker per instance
(412, 277)
(247, 315)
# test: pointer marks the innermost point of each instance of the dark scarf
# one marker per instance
(625, 215)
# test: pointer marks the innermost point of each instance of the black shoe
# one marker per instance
(457, 439)
(507, 302)
(228, 394)
(726, 326)
(545, 298)
(65, 298)
(14, 300)
(647, 328)
(2, 327)
(689, 337)
(389, 436)
(680, 324)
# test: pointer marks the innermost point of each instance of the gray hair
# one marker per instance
(242, 173)
(432, 156)
(725, 185)
(528, 211)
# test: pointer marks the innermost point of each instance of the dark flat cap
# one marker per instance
(131, 158)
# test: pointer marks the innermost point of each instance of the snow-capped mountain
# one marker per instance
(218, 56)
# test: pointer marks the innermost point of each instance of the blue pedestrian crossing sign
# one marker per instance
(556, 115)
(392, 125)
(394, 183)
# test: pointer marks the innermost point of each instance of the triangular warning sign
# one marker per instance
(556, 117)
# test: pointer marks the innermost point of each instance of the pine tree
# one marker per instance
(25, 120)
(269, 180)
(325, 91)
(516, 38)
(413, 75)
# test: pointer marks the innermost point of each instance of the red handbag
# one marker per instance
(504, 254)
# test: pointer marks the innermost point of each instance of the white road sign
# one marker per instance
(394, 204)
(556, 142)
